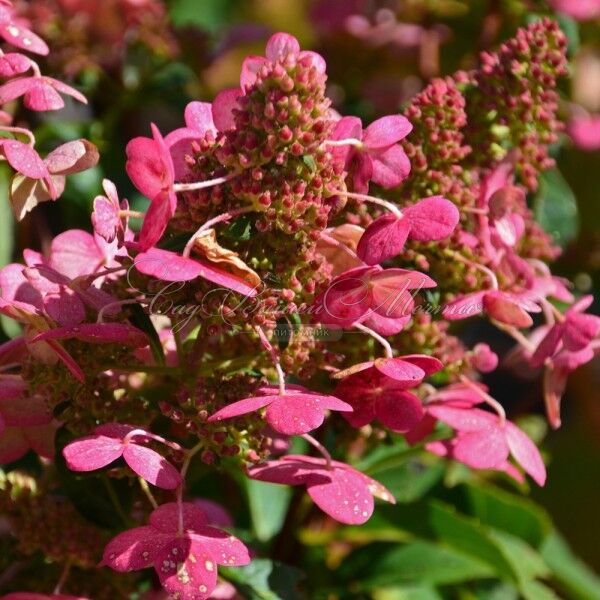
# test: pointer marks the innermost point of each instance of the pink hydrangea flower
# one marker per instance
(340, 491)
(506, 307)
(295, 412)
(356, 294)
(150, 168)
(576, 332)
(185, 559)
(407, 371)
(483, 441)
(429, 219)
(40, 93)
(372, 396)
(115, 440)
(377, 156)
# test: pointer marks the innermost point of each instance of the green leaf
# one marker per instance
(471, 537)
(534, 590)
(206, 14)
(413, 592)
(141, 320)
(268, 504)
(576, 578)
(508, 512)
(423, 562)
(526, 562)
(11, 328)
(263, 579)
(555, 207)
(241, 229)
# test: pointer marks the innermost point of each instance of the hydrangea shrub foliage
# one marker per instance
(275, 338)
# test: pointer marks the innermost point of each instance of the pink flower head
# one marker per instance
(279, 47)
(150, 168)
(483, 441)
(40, 93)
(185, 558)
(359, 293)
(408, 371)
(576, 332)
(584, 130)
(377, 156)
(198, 122)
(296, 412)
(340, 491)
(581, 10)
(15, 34)
(505, 307)
(170, 266)
(430, 219)
(373, 395)
(115, 440)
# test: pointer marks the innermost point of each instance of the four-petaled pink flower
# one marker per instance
(181, 546)
(372, 396)
(576, 332)
(340, 491)
(506, 307)
(115, 440)
(150, 168)
(408, 371)
(366, 291)
(39, 92)
(484, 441)
(295, 412)
(373, 154)
(430, 219)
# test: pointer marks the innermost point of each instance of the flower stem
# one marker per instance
(184, 469)
(63, 577)
(311, 440)
(487, 398)
(386, 345)
(345, 142)
(200, 185)
(339, 245)
(146, 489)
(372, 199)
(274, 357)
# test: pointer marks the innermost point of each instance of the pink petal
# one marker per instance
(91, 453)
(429, 364)
(384, 238)
(13, 445)
(294, 414)
(166, 517)
(198, 116)
(386, 131)
(14, 286)
(67, 360)
(157, 217)
(388, 326)
(97, 333)
(63, 88)
(503, 309)
(114, 430)
(346, 128)
(525, 452)
(144, 166)
(250, 68)
(151, 466)
(186, 574)
(547, 347)
(433, 218)
(390, 168)
(346, 300)
(134, 549)
(74, 253)
(405, 372)
(42, 97)
(167, 266)
(346, 498)
(280, 45)
(464, 307)
(65, 307)
(15, 88)
(579, 331)
(13, 63)
(72, 157)
(105, 218)
(316, 60)
(24, 159)
(23, 38)
(25, 411)
(241, 407)
(226, 549)
(223, 106)
(464, 419)
(216, 515)
(400, 411)
(482, 449)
